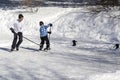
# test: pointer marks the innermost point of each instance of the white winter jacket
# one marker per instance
(18, 26)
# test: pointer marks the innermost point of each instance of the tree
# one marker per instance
(110, 2)
(27, 3)
(30, 4)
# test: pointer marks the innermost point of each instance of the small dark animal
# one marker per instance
(74, 42)
(116, 46)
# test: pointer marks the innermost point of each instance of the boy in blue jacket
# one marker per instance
(44, 35)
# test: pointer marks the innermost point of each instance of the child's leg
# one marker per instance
(14, 42)
(47, 42)
(20, 40)
(42, 43)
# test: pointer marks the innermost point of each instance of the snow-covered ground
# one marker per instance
(92, 59)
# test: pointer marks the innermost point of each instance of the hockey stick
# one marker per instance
(49, 34)
(31, 40)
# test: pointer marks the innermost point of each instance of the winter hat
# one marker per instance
(41, 23)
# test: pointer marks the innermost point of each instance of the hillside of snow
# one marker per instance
(67, 22)
(103, 26)
(92, 59)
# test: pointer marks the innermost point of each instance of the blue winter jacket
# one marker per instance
(43, 30)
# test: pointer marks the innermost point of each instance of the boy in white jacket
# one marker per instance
(17, 31)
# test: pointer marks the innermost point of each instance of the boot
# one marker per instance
(41, 46)
(17, 48)
(47, 47)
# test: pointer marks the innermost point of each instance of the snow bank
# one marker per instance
(106, 76)
(75, 23)
(86, 25)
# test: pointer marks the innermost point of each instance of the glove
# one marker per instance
(49, 32)
(12, 30)
(50, 24)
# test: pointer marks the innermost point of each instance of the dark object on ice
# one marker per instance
(74, 42)
(116, 46)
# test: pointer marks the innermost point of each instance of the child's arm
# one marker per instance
(49, 25)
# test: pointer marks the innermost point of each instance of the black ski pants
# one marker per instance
(43, 40)
(15, 43)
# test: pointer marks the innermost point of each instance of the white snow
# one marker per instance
(92, 59)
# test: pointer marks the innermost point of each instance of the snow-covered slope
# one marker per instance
(68, 23)
(86, 25)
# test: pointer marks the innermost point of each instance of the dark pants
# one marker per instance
(16, 44)
(43, 40)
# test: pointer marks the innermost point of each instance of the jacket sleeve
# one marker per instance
(46, 26)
